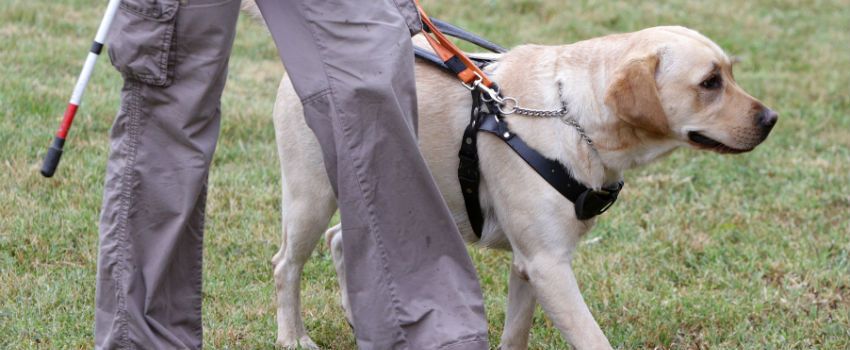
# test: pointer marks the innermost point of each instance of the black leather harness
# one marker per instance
(485, 117)
(588, 202)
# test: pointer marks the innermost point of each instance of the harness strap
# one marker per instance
(588, 202)
(467, 171)
(452, 56)
(465, 35)
(429, 56)
(552, 171)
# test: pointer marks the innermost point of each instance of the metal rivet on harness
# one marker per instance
(506, 135)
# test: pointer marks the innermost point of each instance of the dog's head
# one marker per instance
(676, 83)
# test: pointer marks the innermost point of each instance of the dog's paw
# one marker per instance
(304, 343)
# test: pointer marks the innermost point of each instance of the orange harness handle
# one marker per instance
(451, 55)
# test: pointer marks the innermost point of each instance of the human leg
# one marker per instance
(410, 281)
(173, 55)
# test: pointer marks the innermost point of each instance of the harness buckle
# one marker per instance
(595, 202)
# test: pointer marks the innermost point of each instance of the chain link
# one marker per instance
(572, 122)
(539, 113)
(552, 113)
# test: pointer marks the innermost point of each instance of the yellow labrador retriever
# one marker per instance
(638, 96)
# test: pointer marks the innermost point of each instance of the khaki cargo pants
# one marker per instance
(351, 63)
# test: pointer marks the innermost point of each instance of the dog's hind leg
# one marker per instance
(307, 206)
(521, 305)
(304, 220)
(334, 239)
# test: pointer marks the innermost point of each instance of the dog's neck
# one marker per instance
(533, 74)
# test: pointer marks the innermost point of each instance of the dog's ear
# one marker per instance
(633, 95)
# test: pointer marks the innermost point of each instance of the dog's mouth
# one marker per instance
(704, 142)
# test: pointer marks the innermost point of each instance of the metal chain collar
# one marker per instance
(510, 105)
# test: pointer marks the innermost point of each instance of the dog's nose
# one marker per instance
(767, 118)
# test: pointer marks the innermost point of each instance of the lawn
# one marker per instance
(702, 250)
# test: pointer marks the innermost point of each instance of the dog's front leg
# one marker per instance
(520, 311)
(556, 289)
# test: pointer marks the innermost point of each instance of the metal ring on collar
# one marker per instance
(507, 106)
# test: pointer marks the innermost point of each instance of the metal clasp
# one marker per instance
(475, 83)
(490, 94)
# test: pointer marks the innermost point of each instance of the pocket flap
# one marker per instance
(158, 10)
(140, 44)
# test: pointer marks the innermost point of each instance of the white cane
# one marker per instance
(51, 160)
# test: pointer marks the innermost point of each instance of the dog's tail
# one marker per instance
(250, 7)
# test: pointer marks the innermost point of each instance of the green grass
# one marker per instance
(702, 251)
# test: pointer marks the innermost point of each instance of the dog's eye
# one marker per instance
(713, 82)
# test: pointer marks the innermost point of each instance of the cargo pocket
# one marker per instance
(141, 41)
